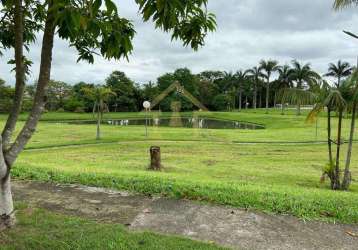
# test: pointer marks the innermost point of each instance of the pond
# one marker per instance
(185, 122)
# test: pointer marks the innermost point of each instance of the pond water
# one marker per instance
(185, 122)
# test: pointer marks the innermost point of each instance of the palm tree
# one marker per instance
(354, 104)
(230, 87)
(99, 95)
(284, 81)
(256, 74)
(285, 76)
(241, 77)
(304, 77)
(338, 99)
(339, 71)
(340, 4)
(269, 67)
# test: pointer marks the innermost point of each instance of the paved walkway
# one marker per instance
(226, 226)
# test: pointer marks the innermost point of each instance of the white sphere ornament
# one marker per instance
(146, 105)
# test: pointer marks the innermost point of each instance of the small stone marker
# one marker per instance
(155, 159)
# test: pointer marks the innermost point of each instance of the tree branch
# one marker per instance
(20, 75)
(39, 103)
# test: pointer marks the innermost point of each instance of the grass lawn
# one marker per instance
(272, 173)
(41, 230)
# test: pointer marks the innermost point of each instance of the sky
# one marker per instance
(248, 31)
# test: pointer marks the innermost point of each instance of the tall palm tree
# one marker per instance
(354, 105)
(339, 71)
(338, 99)
(269, 67)
(241, 77)
(340, 4)
(230, 86)
(285, 76)
(99, 95)
(285, 82)
(256, 74)
(304, 77)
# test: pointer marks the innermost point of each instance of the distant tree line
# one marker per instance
(264, 86)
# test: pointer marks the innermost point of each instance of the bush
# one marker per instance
(221, 102)
(74, 105)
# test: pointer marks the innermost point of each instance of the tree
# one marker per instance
(125, 98)
(284, 82)
(241, 77)
(304, 77)
(99, 95)
(338, 99)
(186, 79)
(269, 67)
(229, 84)
(339, 71)
(56, 94)
(6, 95)
(256, 75)
(340, 4)
(91, 27)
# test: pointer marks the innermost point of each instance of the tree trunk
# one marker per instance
(155, 158)
(98, 136)
(255, 97)
(240, 99)
(329, 134)
(20, 75)
(337, 174)
(267, 96)
(260, 98)
(246, 106)
(39, 100)
(298, 111)
(347, 174)
(7, 216)
(282, 108)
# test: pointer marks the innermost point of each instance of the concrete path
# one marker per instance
(226, 226)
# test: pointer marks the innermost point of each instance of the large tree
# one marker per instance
(125, 98)
(92, 27)
(305, 78)
(269, 67)
(256, 75)
(241, 78)
(188, 80)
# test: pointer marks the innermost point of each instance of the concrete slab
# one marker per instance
(226, 226)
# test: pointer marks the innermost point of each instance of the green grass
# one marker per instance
(206, 165)
(42, 230)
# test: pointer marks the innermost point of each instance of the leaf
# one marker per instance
(111, 7)
(352, 234)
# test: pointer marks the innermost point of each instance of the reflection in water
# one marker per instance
(186, 122)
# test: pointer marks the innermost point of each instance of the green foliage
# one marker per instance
(303, 75)
(340, 4)
(73, 104)
(222, 102)
(188, 21)
(127, 97)
(186, 79)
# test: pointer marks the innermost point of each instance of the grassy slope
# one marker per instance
(42, 230)
(270, 177)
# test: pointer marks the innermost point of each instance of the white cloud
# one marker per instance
(248, 30)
